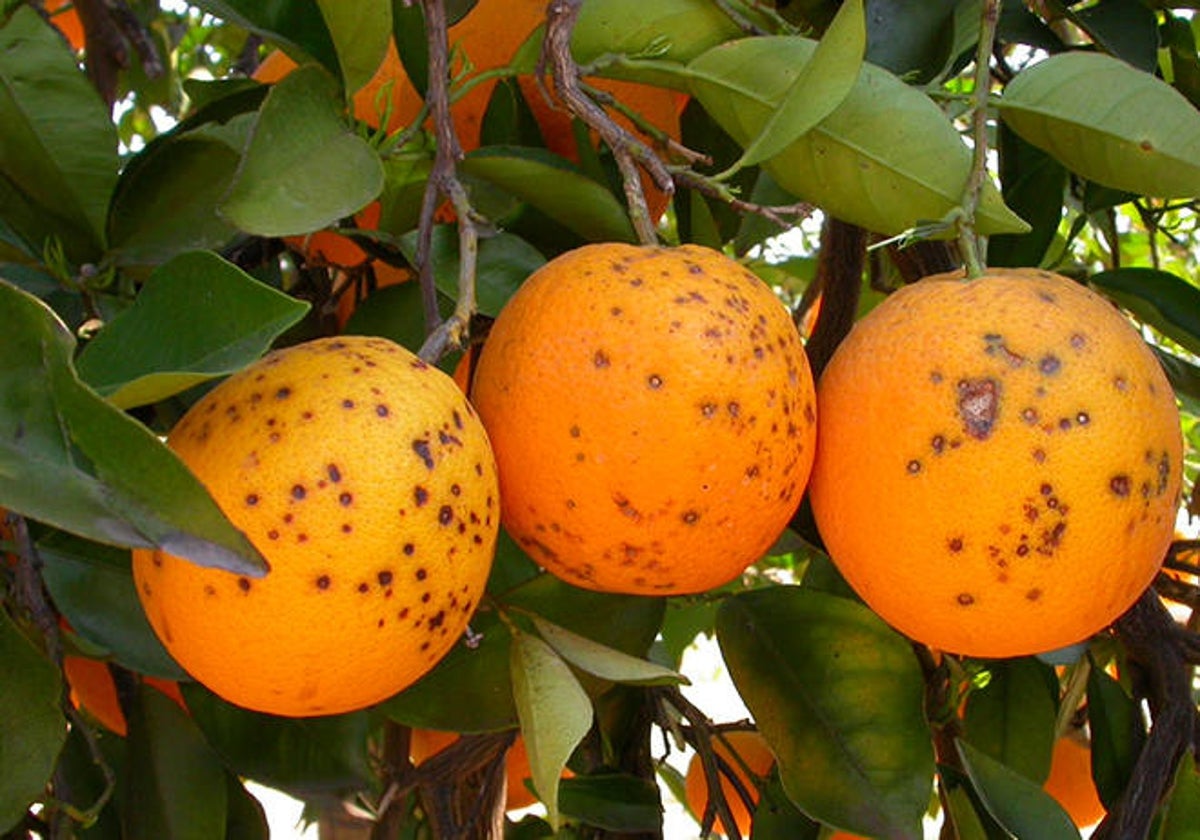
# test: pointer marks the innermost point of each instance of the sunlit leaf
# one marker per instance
(32, 728)
(1018, 804)
(555, 714)
(1163, 300)
(603, 661)
(72, 460)
(197, 317)
(887, 158)
(360, 33)
(839, 697)
(303, 168)
(1109, 122)
(58, 159)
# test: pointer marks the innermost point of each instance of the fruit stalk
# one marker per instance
(968, 241)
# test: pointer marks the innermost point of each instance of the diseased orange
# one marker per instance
(752, 748)
(93, 691)
(652, 414)
(364, 477)
(999, 462)
(1070, 781)
(428, 742)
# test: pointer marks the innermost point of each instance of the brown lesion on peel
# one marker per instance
(978, 406)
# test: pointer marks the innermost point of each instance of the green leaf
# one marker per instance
(1033, 185)
(58, 158)
(360, 33)
(839, 697)
(1018, 804)
(1163, 300)
(1118, 733)
(1182, 818)
(603, 661)
(616, 802)
(914, 41)
(303, 168)
(887, 158)
(1126, 28)
(962, 815)
(246, 819)
(196, 318)
(1108, 122)
(32, 728)
(92, 585)
(778, 818)
(555, 187)
(503, 262)
(554, 710)
(176, 783)
(1012, 718)
(166, 201)
(321, 756)
(70, 459)
(821, 85)
(298, 25)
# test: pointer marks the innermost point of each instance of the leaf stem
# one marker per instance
(968, 240)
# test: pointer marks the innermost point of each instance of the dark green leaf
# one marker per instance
(72, 460)
(1018, 804)
(297, 25)
(303, 756)
(1184, 377)
(1108, 122)
(246, 819)
(1180, 42)
(1032, 183)
(1118, 734)
(360, 33)
(32, 728)
(166, 202)
(823, 83)
(777, 817)
(912, 40)
(1163, 300)
(58, 160)
(555, 187)
(92, 585)
(887, 158)
(1012, 718)
(85, 781)
(176, 783)
(1183, 808)
(303, 168)
(198, 317)
(554, 710)
(613, 801)
(839, 697)
(1126, 28)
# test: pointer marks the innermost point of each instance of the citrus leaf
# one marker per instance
(1183, 808)
(1033, 184)
(554, 710)
(887, 158)
(839, 697)
(821, 85)
(603, 661)
(70, 459)
(1012, 717)
(321, 756)
(553, 186)
(58, 161)
(1018, 804)
(297, 25)
(778, 818)
(961, 814)
(196, 318)
(92, 586)
(303, 168)
(1118, 733)
(176, 783)
(1108, 122)
(616, 802)
(360, 33)
(1163, 300)
(32, 728)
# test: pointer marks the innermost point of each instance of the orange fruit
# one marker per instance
(364, 477)
(63, 15)
(93, 691)
(999, 462)
(752, 748)
(1070, 781)
(652, 414)
(428, 742)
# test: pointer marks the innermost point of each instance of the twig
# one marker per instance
(629, 151)
(444, 183)
(967, 238)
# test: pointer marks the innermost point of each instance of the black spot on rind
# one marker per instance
(298, 492)
(323, 582)
(420, 496)
(965, 599)
(384, 577)
(421, 447)
(1120, 485)
(445, 515)
(335, 474)
(1049, 364)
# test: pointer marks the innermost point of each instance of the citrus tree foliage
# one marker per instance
(160, 208)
